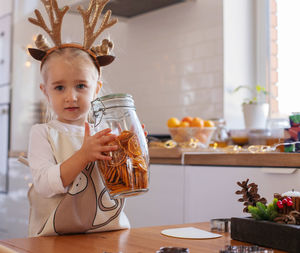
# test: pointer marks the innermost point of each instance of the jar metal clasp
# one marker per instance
(98, 111)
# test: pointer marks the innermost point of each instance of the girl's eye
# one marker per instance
(59, 87)
(81, 86)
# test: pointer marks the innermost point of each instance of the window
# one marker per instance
(284, 57)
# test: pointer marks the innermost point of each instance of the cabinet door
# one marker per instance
(210, 191)
(4, 94)
(4, 112)
(5, 54)
(163, 203)
(276, 180)
(6, 7)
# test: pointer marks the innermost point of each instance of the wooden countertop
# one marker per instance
(160, 155)
(135, 240)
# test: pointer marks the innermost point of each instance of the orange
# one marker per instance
(187, 119)
(173, 122)
(184, 124)
(208, 123)
(197, 122)
(134, 147)
(202, 138)
(179, 138)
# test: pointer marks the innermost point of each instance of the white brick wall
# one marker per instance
(172, 63)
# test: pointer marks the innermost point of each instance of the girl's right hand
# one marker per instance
(95, 147)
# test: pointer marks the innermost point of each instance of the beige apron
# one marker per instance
(85, 208)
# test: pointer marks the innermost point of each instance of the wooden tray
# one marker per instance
(266, 233)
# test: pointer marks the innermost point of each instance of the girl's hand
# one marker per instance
(94, 147)
(145, 132)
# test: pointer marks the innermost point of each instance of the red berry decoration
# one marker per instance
(289, 198)
(289, 203)
(284, 201)
(279, 204)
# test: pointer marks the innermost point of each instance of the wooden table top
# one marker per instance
(135, 240)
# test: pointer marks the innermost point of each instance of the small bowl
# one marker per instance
(182, 135)
(239, 136)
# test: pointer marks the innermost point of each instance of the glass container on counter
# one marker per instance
(258, 136)
(220, 136)
(127, 174)
(239, 136)
(276, 127)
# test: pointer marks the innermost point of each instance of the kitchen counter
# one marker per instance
(147, 239)
(160, 155)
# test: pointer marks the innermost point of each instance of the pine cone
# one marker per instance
(250, 195)
(286, 219)
(296, 215)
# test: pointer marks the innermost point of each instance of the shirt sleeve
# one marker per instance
(44, 169)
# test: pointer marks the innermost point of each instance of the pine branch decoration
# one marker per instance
(249, 195)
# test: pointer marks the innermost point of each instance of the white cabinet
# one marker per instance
(183, 194)
(5, 54)
(6, 7)
(4, 94)
(210, 191)
(163, 204)
(5, 42)
(4, 132)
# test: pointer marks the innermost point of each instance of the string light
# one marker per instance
(233, 149)
(27, 64)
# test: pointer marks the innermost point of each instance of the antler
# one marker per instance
(89, 27)
(55, 34)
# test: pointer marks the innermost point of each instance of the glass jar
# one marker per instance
(127, 173)
(259, 136)
(276, 127)
(220, 137)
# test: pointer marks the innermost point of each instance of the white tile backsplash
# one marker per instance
(174, 67)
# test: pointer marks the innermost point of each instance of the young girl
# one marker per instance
(68, 195)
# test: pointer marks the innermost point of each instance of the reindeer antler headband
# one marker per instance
(98, 53)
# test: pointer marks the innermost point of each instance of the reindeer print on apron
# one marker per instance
(78, 209)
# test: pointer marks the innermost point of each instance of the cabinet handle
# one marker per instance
(278, 170)
(4, 111)
(2, 34)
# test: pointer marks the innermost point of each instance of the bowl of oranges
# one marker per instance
(191, 130)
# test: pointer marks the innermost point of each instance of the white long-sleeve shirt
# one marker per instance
(44, 168)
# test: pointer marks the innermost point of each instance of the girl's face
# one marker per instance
(70, 86)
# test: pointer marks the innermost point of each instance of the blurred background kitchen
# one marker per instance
(176, 57)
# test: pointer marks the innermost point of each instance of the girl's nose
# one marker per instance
(71, 96)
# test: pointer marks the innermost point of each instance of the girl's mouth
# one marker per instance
(71, 109)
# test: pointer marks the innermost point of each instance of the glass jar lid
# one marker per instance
(115, 100)
(115, 95)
